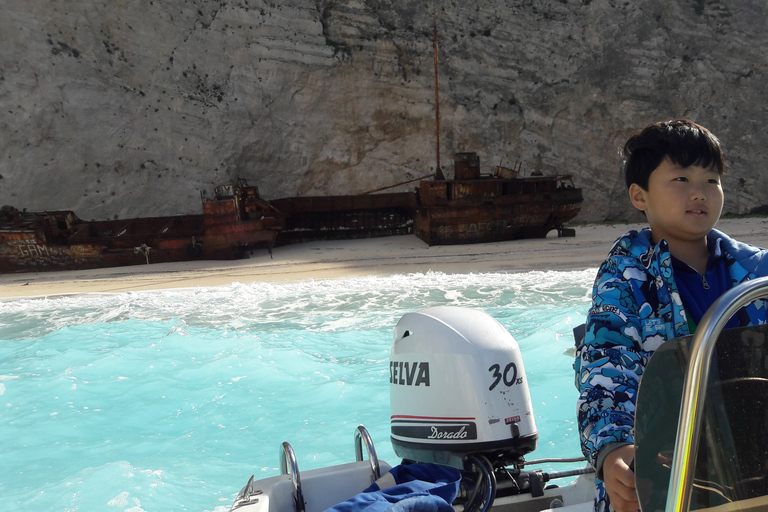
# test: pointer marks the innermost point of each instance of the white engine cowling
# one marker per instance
(458, 387)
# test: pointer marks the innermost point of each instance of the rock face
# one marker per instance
(127, 108)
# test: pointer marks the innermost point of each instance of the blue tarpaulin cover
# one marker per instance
(408, 488)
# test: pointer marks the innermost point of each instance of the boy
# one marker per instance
(655, 285)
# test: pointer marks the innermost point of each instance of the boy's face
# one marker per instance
(682, 204)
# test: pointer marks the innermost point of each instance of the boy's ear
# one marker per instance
(638, 196)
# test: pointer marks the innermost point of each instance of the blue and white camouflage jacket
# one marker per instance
(636, 306)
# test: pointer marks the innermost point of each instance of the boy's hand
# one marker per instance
(619, 479)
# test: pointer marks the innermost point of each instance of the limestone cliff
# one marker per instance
(125, 108)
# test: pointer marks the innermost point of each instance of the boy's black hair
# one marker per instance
(682, 141)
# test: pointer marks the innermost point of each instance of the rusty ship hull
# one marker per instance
(234, 223)
(495, 209)
(472, 208)
(345, 217)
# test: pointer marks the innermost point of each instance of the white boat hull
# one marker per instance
(325, 487)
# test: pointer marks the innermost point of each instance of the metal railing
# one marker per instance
(695, 387)
(288, 461)
(362, 435)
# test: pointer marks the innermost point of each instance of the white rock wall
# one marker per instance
(124, 108)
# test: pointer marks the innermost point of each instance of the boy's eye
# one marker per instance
(680, 178)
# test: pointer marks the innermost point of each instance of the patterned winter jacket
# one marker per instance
(635, 308)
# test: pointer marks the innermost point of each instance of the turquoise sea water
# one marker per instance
(169, 400)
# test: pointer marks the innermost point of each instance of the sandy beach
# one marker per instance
(350, 258)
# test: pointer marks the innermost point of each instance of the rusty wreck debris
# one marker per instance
(470, 208)
(234, 222)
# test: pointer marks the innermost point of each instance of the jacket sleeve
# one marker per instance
(611, 358)
(746, 262)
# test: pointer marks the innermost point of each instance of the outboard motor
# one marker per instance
(459, 397)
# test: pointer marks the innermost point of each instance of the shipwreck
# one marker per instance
(470, 208)
(474, 208)
(234, 222)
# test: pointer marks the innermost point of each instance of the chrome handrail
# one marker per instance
(695, 387)
(287, 456)
(361, 434)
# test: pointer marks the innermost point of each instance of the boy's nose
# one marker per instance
(698, 194)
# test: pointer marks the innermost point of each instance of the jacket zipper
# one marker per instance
(704, 282)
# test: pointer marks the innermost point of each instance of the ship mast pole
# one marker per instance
(438, 171)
